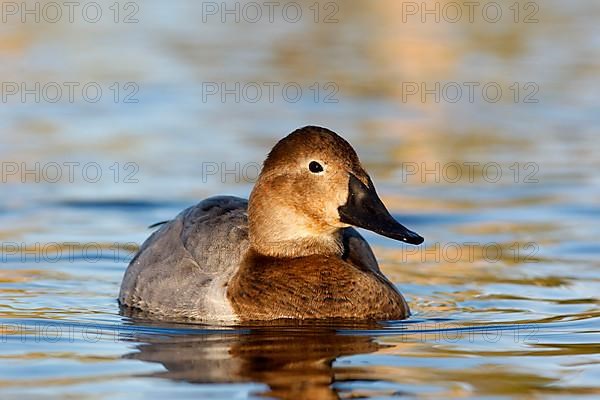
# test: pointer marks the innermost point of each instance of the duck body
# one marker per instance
(288, 252)
(200, 266)
(182, 270)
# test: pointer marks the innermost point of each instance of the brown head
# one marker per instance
(311, 186)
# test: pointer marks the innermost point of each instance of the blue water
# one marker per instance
(504, 292)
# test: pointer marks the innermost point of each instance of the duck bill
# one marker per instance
(365, 209)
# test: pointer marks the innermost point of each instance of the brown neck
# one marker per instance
(330, 245)
(277, 230)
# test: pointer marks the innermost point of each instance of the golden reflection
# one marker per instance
(294, 364)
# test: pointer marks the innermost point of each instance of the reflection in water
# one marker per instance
(295, 362)
(302, 360)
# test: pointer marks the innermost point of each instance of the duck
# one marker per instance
(291, 251)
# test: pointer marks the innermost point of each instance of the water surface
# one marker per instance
(504, 291)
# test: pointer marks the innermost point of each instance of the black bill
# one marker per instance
(365, 210)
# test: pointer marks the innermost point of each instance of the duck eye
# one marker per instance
(315, 167)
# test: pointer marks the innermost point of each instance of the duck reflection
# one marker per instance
(294, 361)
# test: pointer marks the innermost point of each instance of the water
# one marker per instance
(504, 294)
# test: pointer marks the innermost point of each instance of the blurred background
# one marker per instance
(478, 123)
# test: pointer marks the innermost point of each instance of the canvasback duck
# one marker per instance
(288, 252)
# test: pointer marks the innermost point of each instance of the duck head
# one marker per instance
(312, 185)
